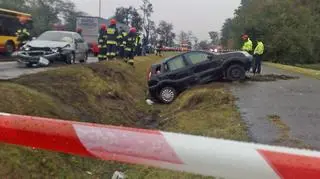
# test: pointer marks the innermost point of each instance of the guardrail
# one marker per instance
(179, 152)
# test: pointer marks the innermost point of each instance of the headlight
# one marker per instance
(26, 48)
(55, 50)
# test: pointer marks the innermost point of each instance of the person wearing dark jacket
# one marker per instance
(112, 34)
(130, 42)
(102, 43)
(121, 45)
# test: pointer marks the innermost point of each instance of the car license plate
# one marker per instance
(44, 61)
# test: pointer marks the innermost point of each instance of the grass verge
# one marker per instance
(304, 71)
(109, 93)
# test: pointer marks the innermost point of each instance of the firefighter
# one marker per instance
(247, 45)
(102, 43)
(22, 33)
(258, 53)
(159, 48)
(112, 34)
(121, 44)
(138, 45)
(130, 42)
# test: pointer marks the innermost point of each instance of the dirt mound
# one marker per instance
(271, 77)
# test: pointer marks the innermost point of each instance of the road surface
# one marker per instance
(10, 70)
(295, 101)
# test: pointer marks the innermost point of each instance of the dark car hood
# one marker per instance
(44, 43)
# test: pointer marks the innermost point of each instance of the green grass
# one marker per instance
(302, 70)
(109, 93)
(310, 66)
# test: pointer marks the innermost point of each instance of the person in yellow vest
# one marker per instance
(130, 41)
(247, 45)
(258, 53)
(112, 34)
(22, 33)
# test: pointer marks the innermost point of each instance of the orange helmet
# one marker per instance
(133, 30)
(103, 27)
(113, 22)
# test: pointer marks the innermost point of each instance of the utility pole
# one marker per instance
(99, 8)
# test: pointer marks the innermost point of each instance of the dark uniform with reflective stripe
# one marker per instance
(121, 45)
(130, 42)
(102, 44)
(22, 36)
(112, 34)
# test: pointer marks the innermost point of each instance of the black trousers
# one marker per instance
(129, 54)
(257, 64)
(121, 51)
(111, 50)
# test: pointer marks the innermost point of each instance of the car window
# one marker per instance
(197, 57)
(176, 63)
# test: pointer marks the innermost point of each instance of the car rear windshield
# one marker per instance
(56, 36)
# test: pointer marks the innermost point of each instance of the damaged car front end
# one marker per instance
(42, 56)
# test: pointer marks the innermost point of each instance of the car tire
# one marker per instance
(167, 95)
(29, 65)
(9, 48)
(236, 73)
(85, 58)
(70, 59)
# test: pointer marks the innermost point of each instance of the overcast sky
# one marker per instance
(199, 16)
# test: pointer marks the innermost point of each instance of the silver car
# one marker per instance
(54, 46)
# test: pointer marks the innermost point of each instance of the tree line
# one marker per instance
(290, 29)
(46, 13)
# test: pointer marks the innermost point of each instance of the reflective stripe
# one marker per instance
(105, 46)
(111, 31)
(128, 49)
(111, 42)
(113, 54)
(99, 46)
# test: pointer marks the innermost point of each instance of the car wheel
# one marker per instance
(29, 65)
(85, 58)
(71, 58)
(9, 48)
(167, 95)
(236, 73)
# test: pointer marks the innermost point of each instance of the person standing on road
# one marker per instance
(258, 53)
(102, 43)
(247, 45)
(22, 33)
(112, 34)
(130, 42)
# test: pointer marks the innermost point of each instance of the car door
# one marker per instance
(178, 72)
(80, 50)
(205, 67)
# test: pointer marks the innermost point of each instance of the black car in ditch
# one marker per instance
(176, 74)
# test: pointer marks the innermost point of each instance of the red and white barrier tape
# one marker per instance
(194, 154)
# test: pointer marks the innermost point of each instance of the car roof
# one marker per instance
(169, 58)
(65, 32)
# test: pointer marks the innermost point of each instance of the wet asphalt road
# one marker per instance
(297, 102)
(10, 70)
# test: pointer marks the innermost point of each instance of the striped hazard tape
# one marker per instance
(179, 152)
